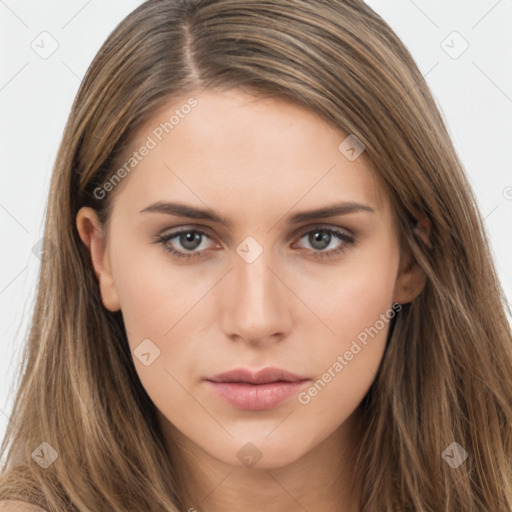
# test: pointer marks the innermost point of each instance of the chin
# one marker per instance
(256, 452)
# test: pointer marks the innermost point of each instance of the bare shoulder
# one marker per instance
(18, 506)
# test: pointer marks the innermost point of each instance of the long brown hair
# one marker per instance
(446, 376)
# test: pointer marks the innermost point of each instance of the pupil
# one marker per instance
(191, 238)
(321, 236)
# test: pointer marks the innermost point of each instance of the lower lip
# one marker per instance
(256, 397)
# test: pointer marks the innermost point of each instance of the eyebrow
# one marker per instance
(184, 210)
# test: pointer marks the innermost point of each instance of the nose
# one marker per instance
(256, 305)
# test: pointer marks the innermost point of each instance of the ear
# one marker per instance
(411, 279)
(92, 235)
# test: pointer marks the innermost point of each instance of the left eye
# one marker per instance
(319, 237)
(327, 235)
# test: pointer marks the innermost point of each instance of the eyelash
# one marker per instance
(347, 239)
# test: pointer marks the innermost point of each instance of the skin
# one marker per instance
(255, 162)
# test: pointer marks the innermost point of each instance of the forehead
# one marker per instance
(232, 147)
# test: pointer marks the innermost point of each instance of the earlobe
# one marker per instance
(91, 233)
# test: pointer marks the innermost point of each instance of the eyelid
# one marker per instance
(206, 230)
(209, 229)
(191, 227)
(306, 229)
(173, 232)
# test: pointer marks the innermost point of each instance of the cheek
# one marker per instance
(358, 309)
(153, 294)
(362, 290)
(160, 306)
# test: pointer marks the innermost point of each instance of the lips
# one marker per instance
(256, 391)
(264, 376)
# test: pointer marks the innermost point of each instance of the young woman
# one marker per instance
(266, 285)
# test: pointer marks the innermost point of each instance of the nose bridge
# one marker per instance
(254, 282)
(255, 305)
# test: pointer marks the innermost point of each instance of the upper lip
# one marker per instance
(264, 376)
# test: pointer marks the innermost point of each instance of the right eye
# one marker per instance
(188, 238)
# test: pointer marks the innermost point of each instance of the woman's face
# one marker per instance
(275, 287)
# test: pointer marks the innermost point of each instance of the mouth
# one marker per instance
(256, 391)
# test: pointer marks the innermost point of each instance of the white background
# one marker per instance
(473, 91)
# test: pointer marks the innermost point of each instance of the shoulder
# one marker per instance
(18, 506)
